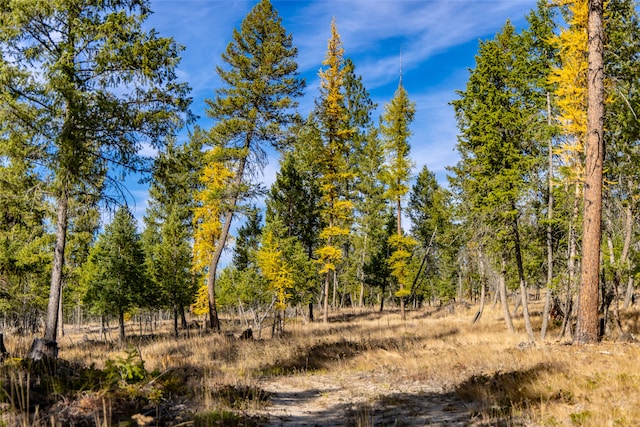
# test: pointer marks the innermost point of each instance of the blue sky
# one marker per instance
(438, 38)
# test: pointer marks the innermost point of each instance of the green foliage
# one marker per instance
(394, 128)
(114, 274)
(85, 99)
(294, 197)
(25, 242)
(498, 154)
(125, 370)
(247, 240)
(439, 241)
(169, 226)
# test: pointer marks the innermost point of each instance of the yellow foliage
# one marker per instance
(201, 304)
(571, 87)
(399, 259)
(333, 231)
(274, 268)
(332, 156)
(207, 215)
(328, 257)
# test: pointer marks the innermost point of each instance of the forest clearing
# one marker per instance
(363, 368)
(500, 294)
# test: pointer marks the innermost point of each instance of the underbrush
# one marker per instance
(210, 379)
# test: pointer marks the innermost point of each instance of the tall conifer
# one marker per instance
(255, 107)
(87, 97)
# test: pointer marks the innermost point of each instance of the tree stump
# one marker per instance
(41, 348)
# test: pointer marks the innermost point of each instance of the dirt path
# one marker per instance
(362, 399)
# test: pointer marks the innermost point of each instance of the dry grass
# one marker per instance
(504, 379)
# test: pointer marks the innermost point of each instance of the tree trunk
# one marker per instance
(61, 313)
(587, 326)
(325, 311)
(523, 284)
(628, 297)
(183, 318)
(502, 289)
(55, 290)
(483, 279)
(547, 298)
(121, 335)
(175, 321)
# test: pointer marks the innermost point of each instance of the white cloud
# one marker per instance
(373, 32)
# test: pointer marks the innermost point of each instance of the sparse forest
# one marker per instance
(353, 267)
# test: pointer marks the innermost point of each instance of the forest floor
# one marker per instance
(363, 368)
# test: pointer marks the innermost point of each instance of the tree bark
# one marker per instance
(523, 283)
(587, 325)
(502, 289)
(325, 311)
(547, 298)
(121, 335)
(214, 321)
(628, 297)
(55, 290)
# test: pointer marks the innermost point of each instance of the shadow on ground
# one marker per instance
(325, 355)
(481, 400)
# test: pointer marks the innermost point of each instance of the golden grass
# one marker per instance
(503, 377)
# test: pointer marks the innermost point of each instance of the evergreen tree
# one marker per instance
(366, 190)
(293, 202)
(377, 270)
(254, 108)
(87, 98)
(498, 154)
(25, 254)
(114, 273)
(371, 205)
(168, 227)
(247, 240)
(430, 212)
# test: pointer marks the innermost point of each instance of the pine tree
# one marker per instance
(25, 254)
(498, 154)
(587, 320)
(293, 202)
(114, 273)
(366, 159)
(247, 240)
(430, 212)
(254, 108)
(87, 97)
(394, 127)
(371, 205)
(169, 227)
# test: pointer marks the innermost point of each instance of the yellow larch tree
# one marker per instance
(278, 273)
(332, 118)
(207, 220)
(570, 80)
